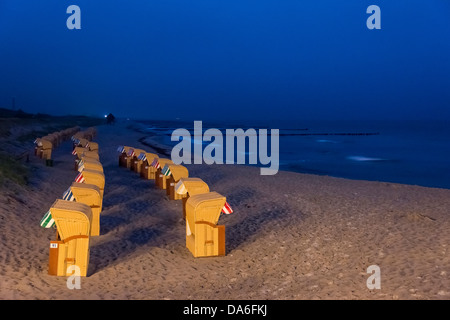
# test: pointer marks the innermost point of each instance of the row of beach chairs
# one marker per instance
(201, 207)
(76, 215)
(45, 145)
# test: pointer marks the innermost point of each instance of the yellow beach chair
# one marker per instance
(148, 171)
(71, 247)
(83, 143)
(89, 194)
(134, 159)
(138, 161)
(123, 156)
(160, 179)
(204, 238)
(176, 173)
(46, 151)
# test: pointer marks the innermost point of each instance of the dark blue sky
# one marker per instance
(231, 59)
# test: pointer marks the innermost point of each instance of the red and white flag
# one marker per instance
(227, 209)
(155, 163)
(74, 152)
(79, 178)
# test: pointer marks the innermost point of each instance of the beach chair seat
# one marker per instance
(176, 172)
(147, 170)
(71, 247)
(90, 195)
(204, 238)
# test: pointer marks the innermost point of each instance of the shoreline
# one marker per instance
(164, 149)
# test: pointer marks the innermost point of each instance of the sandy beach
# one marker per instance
(292, 236)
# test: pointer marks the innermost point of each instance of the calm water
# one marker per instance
(403, 152)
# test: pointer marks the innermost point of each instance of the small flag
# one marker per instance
(79, 178)
(166, 171)
(155, 163)
(47, 220)
(142, 157)
(80, 166)
(227, 209)
(121, 149)
(180, 188)
(130, 153)
(68, 195)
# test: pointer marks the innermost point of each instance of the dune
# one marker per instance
(292, 236)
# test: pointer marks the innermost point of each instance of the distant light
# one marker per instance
(106, 116)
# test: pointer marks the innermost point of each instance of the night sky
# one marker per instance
(227, 59)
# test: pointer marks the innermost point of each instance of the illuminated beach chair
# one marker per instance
(140, 159)
(46, 151)
(160, 178)
(134, 158)
(187, 187)
(71, 247)
(81, 152)
(147, 170)
(90, 195)
(176, 172)
(92, 177)
(204, 238)
(84, 143)
(90, 164)
(123, 151)
(129, 157)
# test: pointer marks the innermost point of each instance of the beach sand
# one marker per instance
(291, 236)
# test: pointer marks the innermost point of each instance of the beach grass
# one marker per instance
(13, 170)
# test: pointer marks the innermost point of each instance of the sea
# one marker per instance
(408, 152)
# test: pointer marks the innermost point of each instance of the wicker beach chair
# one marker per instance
(71, 247)
(204, 238)
(160, 178)
(175, 173)
(147, 170)
(90, 195)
